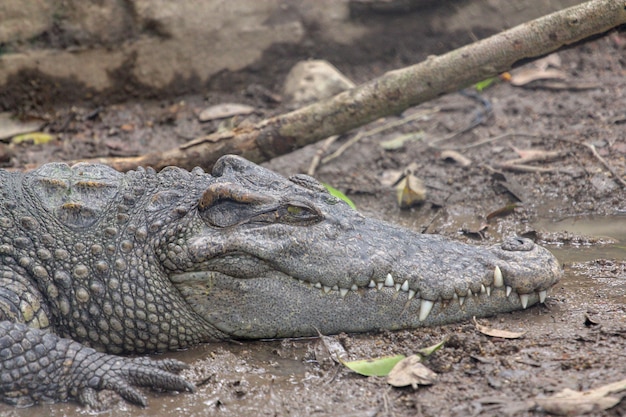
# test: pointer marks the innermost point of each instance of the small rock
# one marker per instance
(224, 110)
(310, 81)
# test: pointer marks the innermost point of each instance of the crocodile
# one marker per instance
(97, 265)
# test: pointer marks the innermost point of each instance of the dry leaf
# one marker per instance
(532, 155)
(410, 371)
(224, 110)
(504, 334)
(10, 127)
(476, 230)
(570, 402)
(410, 191)
(528, 75)
(390, 177)
(552, 60)
(456, 157)
(502, 211)
(399, 142)
(330, 347)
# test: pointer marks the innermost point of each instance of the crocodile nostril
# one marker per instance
(518, 244)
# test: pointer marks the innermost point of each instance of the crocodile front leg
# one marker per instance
(37, 366)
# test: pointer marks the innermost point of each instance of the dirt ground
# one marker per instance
(570, 202)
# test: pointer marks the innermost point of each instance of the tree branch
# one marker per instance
(393, 92)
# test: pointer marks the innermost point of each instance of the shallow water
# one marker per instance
(611, 226)
(581, 276)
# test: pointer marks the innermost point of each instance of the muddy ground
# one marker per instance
(576, 340)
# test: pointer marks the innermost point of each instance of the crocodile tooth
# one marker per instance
(379, 285)
(326, 289)
(389, 281)
(335, 288)
(524, 299)
(343, 291)
(411, 294)
(482, 289)
(542, 296)
(318, 285)
(489, 290)
(425, 307)
(508, 290)
(455, 297)
(405, 286)
(461, 300)
(354, 287)
(469, 292)
(397, 287)
(372, 284)
(498, 281)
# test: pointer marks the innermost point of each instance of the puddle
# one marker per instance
(596, 226)
(592, 272)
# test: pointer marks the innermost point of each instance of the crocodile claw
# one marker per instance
(122, 374)
(77, 372)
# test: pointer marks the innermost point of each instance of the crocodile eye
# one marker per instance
(295, 210)
(298, 214)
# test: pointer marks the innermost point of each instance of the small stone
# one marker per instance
(314, 80)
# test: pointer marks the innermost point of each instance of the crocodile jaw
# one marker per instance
(279, 305)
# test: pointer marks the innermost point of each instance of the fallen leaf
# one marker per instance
(410, 191)
(476, 230)
(374, 367)
(336, 193)
(35, 138)
(456, 157)
(528, 75)
(333, 348)
(411, 371)
(511, 185)
(390, 177)
(532, 155)
(399, 142)
(224, 110)
(429, 350)
(504, 334)
(570, 402)
(552, 60)
(502, 211)
(10, 127)
(481, 85)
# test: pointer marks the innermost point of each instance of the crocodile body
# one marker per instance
(96, 263)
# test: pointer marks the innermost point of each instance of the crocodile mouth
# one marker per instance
(403, 287)
(193, 285)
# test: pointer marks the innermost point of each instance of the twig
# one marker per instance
(393, 92)
(481, 116)
(482, 142)
(318, 155)
(526, 168)
(595, 153)
(542, 157)
(389, 125)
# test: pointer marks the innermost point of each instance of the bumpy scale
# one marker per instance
(95, 263)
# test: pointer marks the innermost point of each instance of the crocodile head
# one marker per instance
(263, 256)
